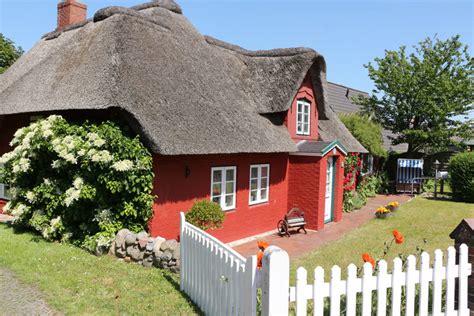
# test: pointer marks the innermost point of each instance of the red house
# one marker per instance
(250, 130)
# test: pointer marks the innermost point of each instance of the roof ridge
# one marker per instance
(347, 87)
(109, 11)
(277, 52)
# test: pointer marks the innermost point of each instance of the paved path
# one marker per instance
(17, 298)
(299, 244)
(5, 218)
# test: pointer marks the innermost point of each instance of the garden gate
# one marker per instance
(222, 282)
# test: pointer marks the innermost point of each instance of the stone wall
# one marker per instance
(146, 250)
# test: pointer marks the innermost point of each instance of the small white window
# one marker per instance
(259, 179)
(223, 187)
(4, 192)
(367, 163)
(303, 117)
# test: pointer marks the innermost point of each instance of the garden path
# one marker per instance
(299, 243)
(20, 299)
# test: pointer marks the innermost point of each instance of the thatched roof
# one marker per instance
(185, 93)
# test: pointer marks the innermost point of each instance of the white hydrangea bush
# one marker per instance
(78, 183)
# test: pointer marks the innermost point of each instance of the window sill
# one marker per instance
(258, 203)
(229, 209)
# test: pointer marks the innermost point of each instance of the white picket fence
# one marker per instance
(221, 282)
(411, 279)
(214, 276)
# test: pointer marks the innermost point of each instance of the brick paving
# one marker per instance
(299, 244)
(5, 218)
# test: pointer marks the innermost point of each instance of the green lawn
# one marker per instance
(75, 282)
(418, 219)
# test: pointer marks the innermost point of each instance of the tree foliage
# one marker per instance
(367, 132)
(418, 95)
(9, 53)
(78, 183)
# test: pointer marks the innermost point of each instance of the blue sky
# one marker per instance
(347, 33)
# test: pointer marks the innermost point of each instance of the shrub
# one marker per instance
(205, 215)
(428, 186)
(461, 176)
(78, 183)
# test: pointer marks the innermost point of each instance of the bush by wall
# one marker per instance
(78, 183)
(205, 215)
(461, 176)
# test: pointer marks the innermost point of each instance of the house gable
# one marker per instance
(306, 95)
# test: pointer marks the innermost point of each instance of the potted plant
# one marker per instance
(393, 206)
(382, 212)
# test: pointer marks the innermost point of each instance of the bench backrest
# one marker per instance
(295, 214)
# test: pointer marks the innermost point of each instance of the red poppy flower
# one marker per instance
(259, 259)
(367, 258)
(262, 245)
(399, 238)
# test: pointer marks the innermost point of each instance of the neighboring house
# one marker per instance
(250, 130)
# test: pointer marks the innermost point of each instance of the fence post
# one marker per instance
(182, 221)
(249, 289)
(275, 281)
(464, 234)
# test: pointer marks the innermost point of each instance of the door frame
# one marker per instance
(333, 184)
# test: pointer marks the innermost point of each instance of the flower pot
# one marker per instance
(392, 208)
(381, 215)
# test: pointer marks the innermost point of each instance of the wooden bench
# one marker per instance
(294, 219)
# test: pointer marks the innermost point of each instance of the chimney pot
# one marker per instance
(70, 12)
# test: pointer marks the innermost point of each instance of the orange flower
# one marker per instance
(367, 258)
(399, 239)
(262, 245)
(259, 259)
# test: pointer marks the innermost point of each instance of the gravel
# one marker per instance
(17, 298)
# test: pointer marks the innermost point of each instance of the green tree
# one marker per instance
(367, 132)
(9, 53)
(417, 95)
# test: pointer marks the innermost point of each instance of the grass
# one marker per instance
(421, 218)
(76, 282)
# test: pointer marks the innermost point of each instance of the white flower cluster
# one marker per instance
(65, 147)
(73, 193)
(123, 165)
(100, 156)
(96, 140)
(54, 225)
(104, 217)
(19, 209)
(30, 196)
(22, 165)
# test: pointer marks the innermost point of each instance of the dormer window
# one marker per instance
(303, 117)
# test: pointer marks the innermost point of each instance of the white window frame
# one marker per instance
(306, 107)
(259, 184)
(367, 162)
(223, 194)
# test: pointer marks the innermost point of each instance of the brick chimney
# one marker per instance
(70, 12)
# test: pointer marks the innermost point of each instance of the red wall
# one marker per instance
(305, 92)
(307, 185)
(177, 193)
(8, 126)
